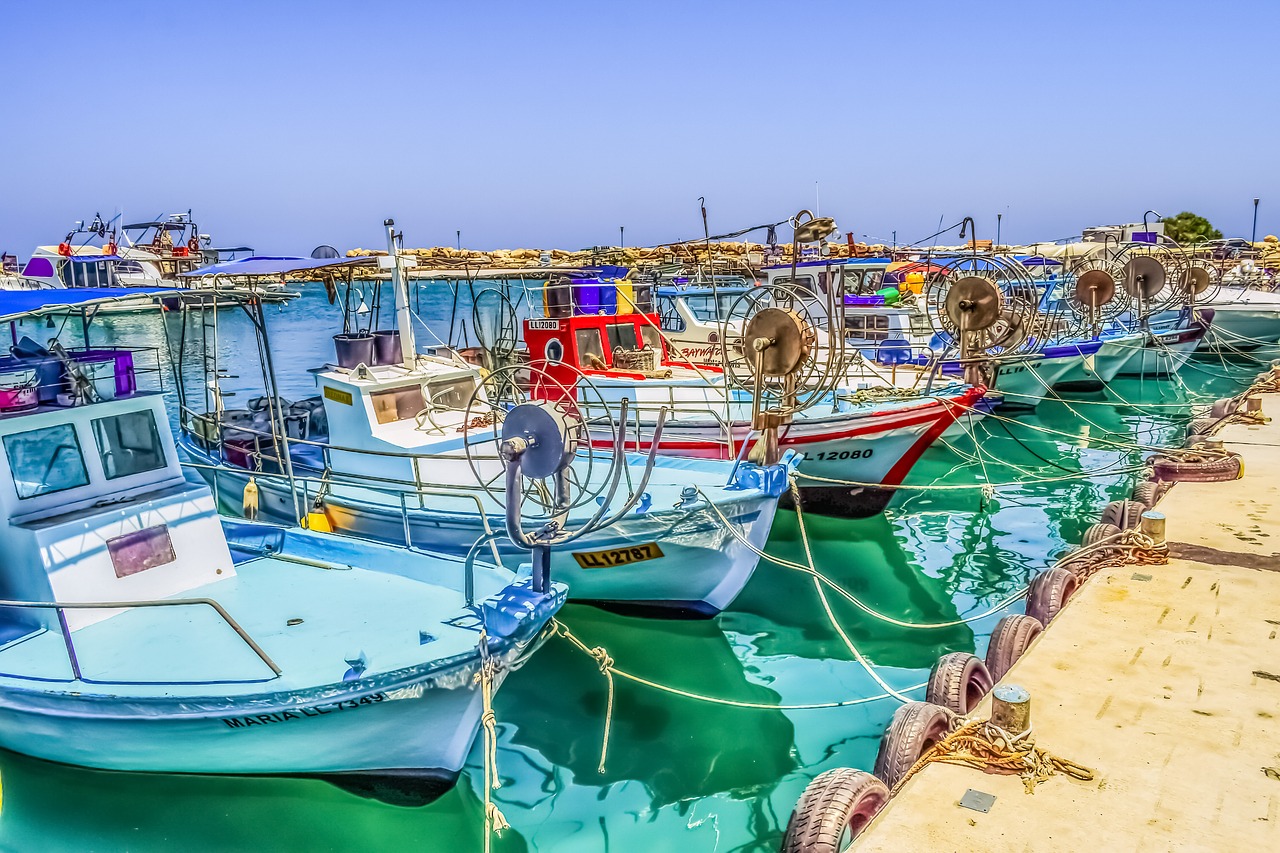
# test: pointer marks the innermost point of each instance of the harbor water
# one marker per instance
(706, 749)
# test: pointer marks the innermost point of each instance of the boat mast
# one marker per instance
(404, 317)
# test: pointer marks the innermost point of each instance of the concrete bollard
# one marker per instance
(1011, 708)
(1153, 525)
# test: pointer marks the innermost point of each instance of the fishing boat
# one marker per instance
(157, 253)
(855, 451)
(139, 631)
(398, 446)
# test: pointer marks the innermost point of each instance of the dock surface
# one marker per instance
(1164, 680)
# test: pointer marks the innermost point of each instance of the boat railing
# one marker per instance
(60, 607)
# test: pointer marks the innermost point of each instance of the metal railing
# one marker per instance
(61, 607)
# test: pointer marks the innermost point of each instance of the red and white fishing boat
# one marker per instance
(855, 451)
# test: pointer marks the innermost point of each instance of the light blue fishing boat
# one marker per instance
(140, 631)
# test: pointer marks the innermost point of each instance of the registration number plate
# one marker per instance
(617, 556)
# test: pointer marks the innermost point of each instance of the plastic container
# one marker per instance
(353, 350)
(18, 391)
(890, 294)
(864, 300)
(386, 347)
(586, 296)
(557, 299)
(102, 376)
(626, 297)
(642, 295)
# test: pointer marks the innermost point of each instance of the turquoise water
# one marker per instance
(680, 773)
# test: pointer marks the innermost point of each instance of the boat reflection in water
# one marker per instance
(157, 811)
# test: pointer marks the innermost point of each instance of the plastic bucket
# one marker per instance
(353, 350)
(18, 391)
(386, 347)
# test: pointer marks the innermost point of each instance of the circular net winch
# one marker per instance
(577, 409)
(984, 305)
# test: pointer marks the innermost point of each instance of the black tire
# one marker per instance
(1012, 636)
(833, 809)
(1146, 493)
(1049, 592)
(1100, 532)
(915, 727)
(1218, 470)
(1123, 514)
(957, 682)
(1201, 426)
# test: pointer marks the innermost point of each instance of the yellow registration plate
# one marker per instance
(617, 556)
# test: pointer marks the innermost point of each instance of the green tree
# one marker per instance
(1187, 227)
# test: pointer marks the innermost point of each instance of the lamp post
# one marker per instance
(999, 217)
(459, 239)
(622, 236)
(1255, 221)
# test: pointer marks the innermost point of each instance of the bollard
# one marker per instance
(1213, 443)
(1153, 526)
(1253, 405)
(1011, 708)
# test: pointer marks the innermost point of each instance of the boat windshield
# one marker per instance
(45, 460)
(129, 444)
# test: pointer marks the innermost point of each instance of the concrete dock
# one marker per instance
(1165, 680)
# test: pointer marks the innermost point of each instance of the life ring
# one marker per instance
(1048, 592)
(194, 244)
(64, 249)
(833, 809)
(1217, 470)
(915, 727)
(1123, 514)
(1011, 638)
(957, 682)
(109, 249)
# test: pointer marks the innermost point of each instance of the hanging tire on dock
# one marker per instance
(1201, 427)
(1011, 638)
(1219, 469)
(1048, 593)
(957, 682)
(833, 809)
(1123, 514)
(1146, 493)
(915, 727)
(1103, 531)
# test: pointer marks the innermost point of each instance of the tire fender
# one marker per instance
(1048, 593)
(957, 682)
(915, 727)
(834, 808)
(1012, 636)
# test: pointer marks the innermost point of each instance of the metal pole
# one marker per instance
(622, 236)
(1255, 221)
(999, 217)
(404, 318)
(459, 233)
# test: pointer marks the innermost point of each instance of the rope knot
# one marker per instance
(601, 656)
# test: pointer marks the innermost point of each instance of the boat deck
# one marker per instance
(1165, 680)
(191, 651)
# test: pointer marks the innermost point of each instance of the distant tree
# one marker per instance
(1187, 227)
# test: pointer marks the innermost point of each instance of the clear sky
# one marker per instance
(288, 124)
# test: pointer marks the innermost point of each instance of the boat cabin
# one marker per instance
(95, 504)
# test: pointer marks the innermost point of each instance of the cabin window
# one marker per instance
(651, 338)
(852, 281)
(128, 444)
(873, 280)
(397, 404)
(128, 268)
(45, 461)
(589, 345)
(801, 282)
(86, 274)
(452, 393)
(622, 336)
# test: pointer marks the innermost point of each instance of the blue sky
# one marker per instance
(289, 124)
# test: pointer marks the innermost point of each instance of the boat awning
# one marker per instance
(277, 266)
(24, 303)
(89, 259)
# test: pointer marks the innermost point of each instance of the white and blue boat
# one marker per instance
(384, 452)
(140, 631)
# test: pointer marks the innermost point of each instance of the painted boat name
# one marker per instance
(302, 713)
